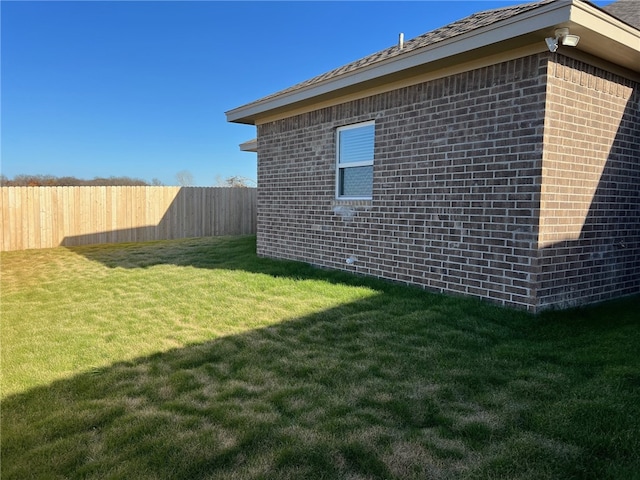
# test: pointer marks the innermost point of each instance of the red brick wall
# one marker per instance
(590, 194)
(456, 184)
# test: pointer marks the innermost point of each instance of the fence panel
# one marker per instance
(44, 217)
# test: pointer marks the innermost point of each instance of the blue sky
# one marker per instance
(139, 89)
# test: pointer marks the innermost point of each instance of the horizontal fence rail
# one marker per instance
(44, 217)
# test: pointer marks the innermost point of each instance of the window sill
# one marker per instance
(340, 202)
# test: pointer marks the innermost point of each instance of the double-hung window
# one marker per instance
(354, 165)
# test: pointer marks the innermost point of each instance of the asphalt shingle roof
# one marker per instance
(465, 25)
(626, 10)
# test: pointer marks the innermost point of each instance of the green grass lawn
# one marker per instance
(195, 359)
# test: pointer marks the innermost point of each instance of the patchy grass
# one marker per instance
(196, 359)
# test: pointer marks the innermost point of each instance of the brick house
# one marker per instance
(489, 158)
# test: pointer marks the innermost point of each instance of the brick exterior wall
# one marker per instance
(590, 195)
(456, 204)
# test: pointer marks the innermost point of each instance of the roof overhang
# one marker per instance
(601, 35)
(250, 145)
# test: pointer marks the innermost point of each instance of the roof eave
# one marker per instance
(606, 37)
(249, 145)
(527, 27)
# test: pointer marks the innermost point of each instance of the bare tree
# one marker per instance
(184, 178)
(234, 181)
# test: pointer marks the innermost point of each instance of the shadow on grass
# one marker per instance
(202, 252)
(227, 253)
(400, 385)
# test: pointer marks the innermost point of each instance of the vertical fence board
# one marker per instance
(56, 217)
(14, 207)
(4, 219)
(29, 237)
(75, 215)
(44, 219)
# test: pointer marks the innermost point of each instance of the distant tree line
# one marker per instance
(53, 181)
(184, 179)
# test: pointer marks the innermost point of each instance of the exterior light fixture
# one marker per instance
(570, 40)
(562, 36)
(552, 43)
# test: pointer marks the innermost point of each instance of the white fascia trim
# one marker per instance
(599, 21)
(603, 16)
(547, 16)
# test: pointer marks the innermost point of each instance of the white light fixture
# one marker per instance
(570, 40)
(562, 36)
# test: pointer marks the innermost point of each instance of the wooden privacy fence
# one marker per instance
(43, 217)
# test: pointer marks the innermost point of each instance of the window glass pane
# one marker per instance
(356, 181)
(356, 144)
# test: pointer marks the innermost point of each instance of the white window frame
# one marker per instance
(341, 166)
